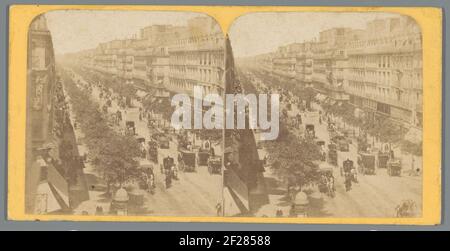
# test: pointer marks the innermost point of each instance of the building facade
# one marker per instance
(385, 70)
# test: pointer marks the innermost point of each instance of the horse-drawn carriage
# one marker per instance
(169, 169)
(363, 145)
(141, 141)
(130, 128)
(215, 165)
(162, 140)
(203, 156)
(105, 109)
(187, 160)
(347, 166)
(153, 150)
(321, 144)
(366, 163)
(300, 205)
(326, 180)
(332, 154)
(342, 143)
(348, 133)
(331, 127)
(349, 172)
(383, 158)
(309, 131)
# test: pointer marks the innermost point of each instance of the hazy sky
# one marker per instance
(258, 33)
(78, 30)
(251, 34)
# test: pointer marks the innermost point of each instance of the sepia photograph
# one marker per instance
(174, 114)
(99, 134)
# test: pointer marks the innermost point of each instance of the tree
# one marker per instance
(112, 153)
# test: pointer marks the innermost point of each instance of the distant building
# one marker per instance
(330, 62)
(378, 69)
(284, 61)
(196, 57)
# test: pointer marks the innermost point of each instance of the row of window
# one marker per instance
(183, 84)
(387, 61)
(198, 58)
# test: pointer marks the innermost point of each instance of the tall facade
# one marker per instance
(51, 185)
(378, 69)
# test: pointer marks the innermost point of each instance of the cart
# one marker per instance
(326, 181)
(366, 163)
(321, 144)
(331, 127)
(347, 166)
(141, 142)
(349, 133)
(332, 154)
(362, 143)
(394, 167)
(187, 160)
(214, 165)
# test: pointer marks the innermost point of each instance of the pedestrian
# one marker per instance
(279, 213)
(219, 209)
